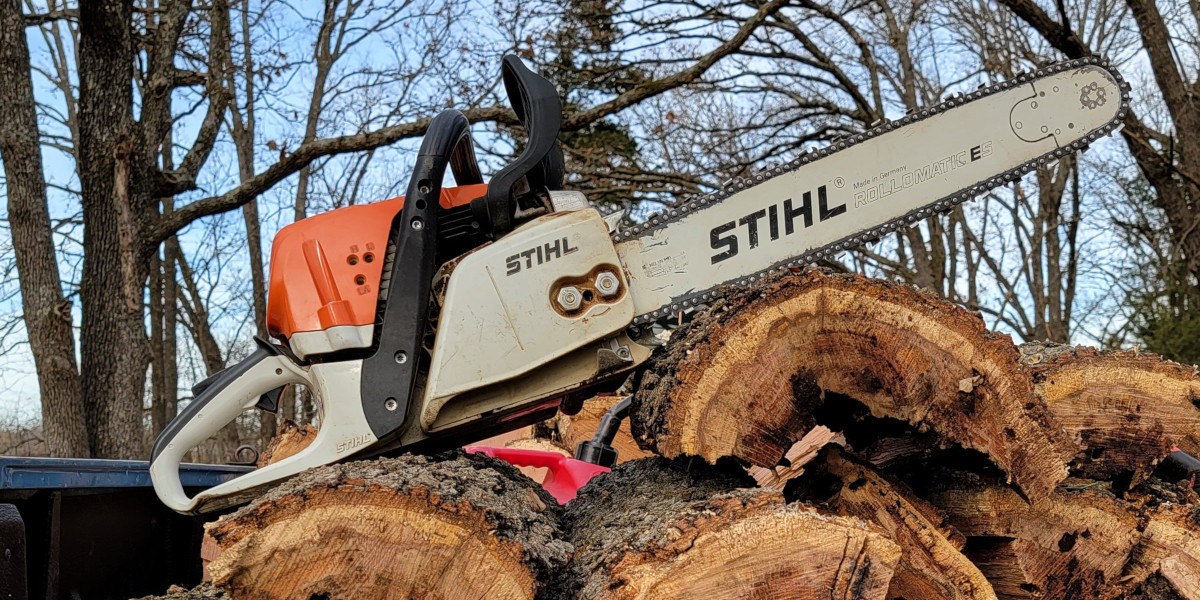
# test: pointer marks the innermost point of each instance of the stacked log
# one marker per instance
(659, 529)
(450, 527)
(816, 436)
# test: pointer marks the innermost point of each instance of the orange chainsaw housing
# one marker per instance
(325, 269)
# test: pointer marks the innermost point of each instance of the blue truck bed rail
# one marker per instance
(93, 529)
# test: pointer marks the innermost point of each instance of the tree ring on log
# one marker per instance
(748, 377)
(1127, 408)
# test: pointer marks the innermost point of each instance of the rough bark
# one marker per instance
(1127, 409)
(763, 366)
(457, 527)
(683, 529)
(47, 314)
(110, 177)
(931, 564)
(204, 591)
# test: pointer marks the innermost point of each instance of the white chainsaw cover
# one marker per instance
(500, 318)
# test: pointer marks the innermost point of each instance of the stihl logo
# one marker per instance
(537, 255)
(724, 237)
(353, 443)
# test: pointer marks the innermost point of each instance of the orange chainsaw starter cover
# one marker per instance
(325, 269)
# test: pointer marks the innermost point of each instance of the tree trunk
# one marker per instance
(243, 131)
(223, 446)
(170, 349)
(410, 527)
(47, 314)
(1127, 409)
(258, 290)
(164, 296)
(763, 366)
(158, 391)
(931, 564)
(114, 264)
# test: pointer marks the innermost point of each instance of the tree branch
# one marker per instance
(69, 14)
(684, 77)
(251, 188)
(184, 178)
(1156, 39)
(1065, 40)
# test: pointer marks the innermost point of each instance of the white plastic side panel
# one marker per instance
(499, 319)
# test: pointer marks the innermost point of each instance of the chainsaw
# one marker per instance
(455, 313)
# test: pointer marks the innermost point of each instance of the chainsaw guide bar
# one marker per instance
(667, 259)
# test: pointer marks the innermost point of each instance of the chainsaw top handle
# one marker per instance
(540, 164)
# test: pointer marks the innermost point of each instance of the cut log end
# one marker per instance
(463, 527)
(1081, 542)
(288, 441)
(1127, 409)
(765, 365)
(653, 529)
(931, 564)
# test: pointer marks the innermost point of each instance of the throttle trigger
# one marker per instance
(270, 400)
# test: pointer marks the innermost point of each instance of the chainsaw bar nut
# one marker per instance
(569, 298)
(607, 284)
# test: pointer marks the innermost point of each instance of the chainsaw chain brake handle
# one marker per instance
(540, 164)
(220, 399)
(389, 375)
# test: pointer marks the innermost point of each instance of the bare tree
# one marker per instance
(1168, 156)
(134, 201)
(47, 313)
(242, 131)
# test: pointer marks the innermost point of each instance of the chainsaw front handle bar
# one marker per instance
(236, 389)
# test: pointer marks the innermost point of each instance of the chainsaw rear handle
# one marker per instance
(237, 389)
